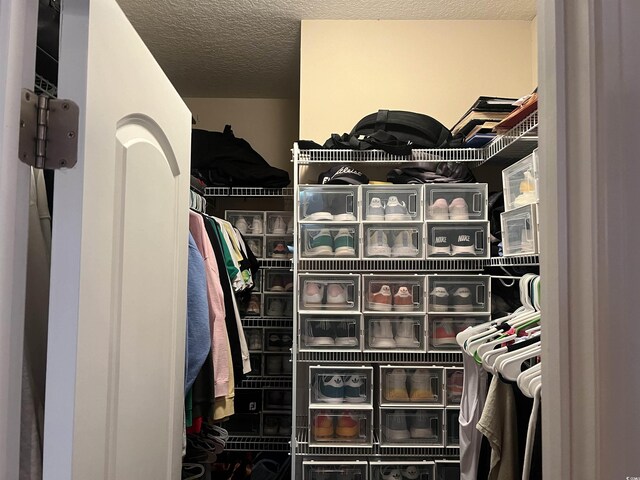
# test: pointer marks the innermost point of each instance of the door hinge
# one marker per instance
(48, 131)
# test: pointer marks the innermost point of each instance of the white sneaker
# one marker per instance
(255, 247)
(276, 308)
(395, 427)
(439, 210)
(241, 225)
(421, 425)
(256, 226)
(403, 245)
(458, 209)
(377, 245)
(391, 474)
(290, 226)
(336, 296)
(279, 227)
(382, 334)
(405, 334)
(313, 294)
(375, 211)
(395, 210)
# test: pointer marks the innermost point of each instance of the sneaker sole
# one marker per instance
(396, 435)
(345, 252)
(409, 342)
(404, 253)
(345, 217)
(403, 308)
(276, 289)
(421, 433)
(439, 308)
(355, 399)
(439, 342)
(278, 255)
(375, 218)
(379, 252)
(318, 216)
(384, 343)
(335, 306)
(321, 342)
(278, 232)
(463, 308)
(319, 252)
(439, 216)
(397, 217)
(381, 307)
(332, 400)
(458, 250)
(346, 342)
(459, 216)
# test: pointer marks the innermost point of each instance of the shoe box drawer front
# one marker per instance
(336, 470)
(339, 292)
(276, 424)
(340, 428)
(520, 182)
(278, 281)
(248, 424)
(255, 339)
(279, 246)
(341, 387)
(393, 241)
(459, 293)
(442, 330)
(394, 333)
(411, 427)
(277, 364)
(520, 231)
(397, 203)
(255, 305)
(255, 243)
(279, 222)
(276, 400)
(278, 305)
(329, 241)
(393, 293)
(458, 202)
(411, 385)
(447, 470)
(454, 380)
(328, 203)
(452, 427)
(248, 222)
(397, 470)
(457, 239)
(277, 340)
(247, 401)
(330, 332)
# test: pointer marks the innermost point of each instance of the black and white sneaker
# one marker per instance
(439, 298)
(461, 300)
(274, 342)
(321, 333)
(439, 243)
(345, 336)
(463, 242)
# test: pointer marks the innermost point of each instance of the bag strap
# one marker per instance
(381, 120)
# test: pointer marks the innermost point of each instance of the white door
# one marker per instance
(114, 405)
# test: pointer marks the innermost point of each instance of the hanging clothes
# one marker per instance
(474, 394)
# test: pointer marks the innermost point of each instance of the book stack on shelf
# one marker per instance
(478, 123)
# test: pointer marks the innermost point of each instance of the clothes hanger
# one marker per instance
(510, 365)
(490, 358)
(524, 380)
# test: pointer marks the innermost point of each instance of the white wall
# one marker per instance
(439, 67)
(269, 125)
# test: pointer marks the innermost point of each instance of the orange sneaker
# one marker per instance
(323, 427)
(347, 428)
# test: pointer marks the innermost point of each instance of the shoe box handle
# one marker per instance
(481, 294)
(435, 424)
(480, 241)
(435, 383)
(412, 202)
(416, 291)
(476, 203)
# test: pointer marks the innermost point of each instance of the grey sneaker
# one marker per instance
(395, 210)
(376, 210)
(377, 244)
(395, 428)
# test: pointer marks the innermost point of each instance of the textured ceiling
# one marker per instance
(250, 48)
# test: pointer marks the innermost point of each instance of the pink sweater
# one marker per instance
(219, 339)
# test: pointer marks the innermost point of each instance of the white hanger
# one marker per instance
(525, 379)
(490, 358)
(510, 365)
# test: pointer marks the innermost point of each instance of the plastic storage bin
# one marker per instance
(276, 364)
(329, 292)
(453, 428)
(458, 202)
(397, 241)
(402, 470)
(254, 337)
(248, 222)
(520, 231)
(279, 247)
(384, 333)
(333, 470)
(457, 240)
(255, 305)
(276, 399)
(329, 241)
(278, 305)
(340, 428)
(256, 365)
(279, 223)
(453, 385)
(330, 333)
(393, 293)
(248, 424)
(392, 203)
(278, 281)
(277, 340)
(447, 470)
(411, 385)
(348, 387)
(276, 425)
(520, 182)
(442, 330)
(255, 244)
(410, 427)
(328, 203)
(459, 293)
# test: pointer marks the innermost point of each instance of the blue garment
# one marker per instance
(198, 332)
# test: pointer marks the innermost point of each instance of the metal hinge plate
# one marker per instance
(48, 131)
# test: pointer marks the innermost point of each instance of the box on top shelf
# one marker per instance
(459, 293)
(335, 428)
(331, 470)
(329, 241)
(334, 386)
(442, 330)
(520, 182)
(520, 231)
(411, 469)
(398, 293)
(392, 203)
(455, 240)
(328, 203)
(248, 222)
(410, 427)
(456, 201)
(330, 333)
(329, 292)
(411, 385)
(279, 223)
(393, 241)
(394, 333)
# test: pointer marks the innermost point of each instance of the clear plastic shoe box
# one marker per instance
(456, 201)
(447, 470)
(393, 293)
(343, 387)
(329, 241)
(248, 222)
(453, 240)
(277, 247)
(397, 241)
(279, 223)
(452, 427)
(340, 428)
(454, 378)
(278, 281)
(255, 244)
(339, 292)
(333, 470)
(520, 182)
(411, 386)
(443, 328)
(394, 333)
(330, 332)
(255, 339)
(278, 305)
(411, 427)
(520, 231)
(408, 469)
(458, 293)
(392, 203)
(328, 203)
(277, 340)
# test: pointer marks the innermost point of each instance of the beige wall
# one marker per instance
(439, 67)
(534, 51)
(269, 125)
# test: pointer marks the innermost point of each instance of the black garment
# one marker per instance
(203, 391)
(229, 313)
(484, 460)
